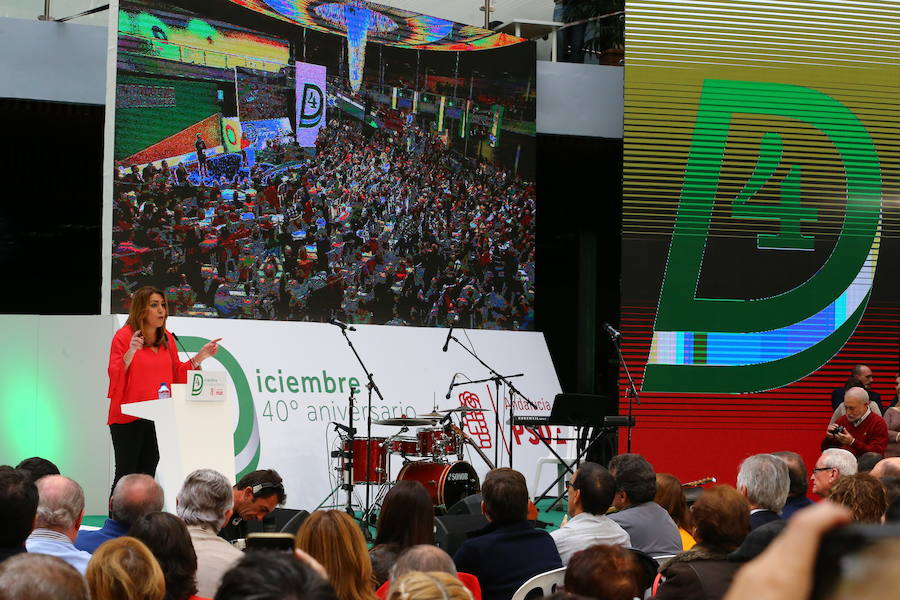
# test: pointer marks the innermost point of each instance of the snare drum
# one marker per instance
(368, 451)
(434, 441)
(407, 446)
(447, 484)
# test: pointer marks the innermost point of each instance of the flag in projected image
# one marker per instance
(310, 103)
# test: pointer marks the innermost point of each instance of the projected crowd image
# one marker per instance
(258, 176)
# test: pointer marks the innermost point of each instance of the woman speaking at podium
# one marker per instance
(143, 356)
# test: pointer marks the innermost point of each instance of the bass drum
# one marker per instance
(447, 484)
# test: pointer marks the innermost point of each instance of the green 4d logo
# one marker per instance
(728, 345)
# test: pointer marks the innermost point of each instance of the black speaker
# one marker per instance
(470, 505)
(289, 521)
(450, 531)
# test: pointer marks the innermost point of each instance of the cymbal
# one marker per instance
(432, 415)
(404, 422)
(464, 409)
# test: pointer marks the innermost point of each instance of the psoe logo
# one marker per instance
(738, 345)
(312, 106)
(196, 384)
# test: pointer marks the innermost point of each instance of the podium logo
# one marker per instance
(735, 345)
(311, 109)
(197, 384)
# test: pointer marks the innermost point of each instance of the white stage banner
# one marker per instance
(310, 90)
(291, 382)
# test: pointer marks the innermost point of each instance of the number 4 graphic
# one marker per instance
(789, 212)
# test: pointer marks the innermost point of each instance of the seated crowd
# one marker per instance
(629, 533)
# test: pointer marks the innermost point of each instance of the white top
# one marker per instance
(584, 530)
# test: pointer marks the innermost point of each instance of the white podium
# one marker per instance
(194, 429)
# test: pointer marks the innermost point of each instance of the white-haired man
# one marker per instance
(765, 481)
(860, 430)
(59, 514)
(833, 464)
(205, 504)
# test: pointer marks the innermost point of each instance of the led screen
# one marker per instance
(278, 169)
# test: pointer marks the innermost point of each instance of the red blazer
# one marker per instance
(141, 381)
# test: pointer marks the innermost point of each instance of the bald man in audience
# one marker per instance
(860, 430)
(133, 497)
(59, 514)
(888, 467)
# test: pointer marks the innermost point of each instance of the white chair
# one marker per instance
(545, 582)
(569, 459)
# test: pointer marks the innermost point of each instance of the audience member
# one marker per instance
(765, 482)
(860, 429)
(721, 522)
(430, 585)
(41, 577)
(832, 464)
(887, 467)
(892, 490)
(860, 376)
(406, 519)
(124, 569)
(873, 576)
(796, 498)
(59, 514)
(134, 496)
(425, 557)
(38, 467)
(892, 421)
(273, 576)
(784, 570)
(591, 493)
(648, 524)
(334, 539)
(863, 494)
(604, 571)
(204, 504)
(18, 505)
(670, 495)
(509, 551)
(867, 461)
(167, 537)
(255, 496)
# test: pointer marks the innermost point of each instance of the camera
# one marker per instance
(838, 429)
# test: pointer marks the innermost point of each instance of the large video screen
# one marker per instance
(273, 166)
(760, 229)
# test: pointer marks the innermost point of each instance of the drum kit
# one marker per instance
(433, 456)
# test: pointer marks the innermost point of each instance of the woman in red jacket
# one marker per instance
(143, 356)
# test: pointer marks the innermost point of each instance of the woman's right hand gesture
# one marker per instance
(136, 343)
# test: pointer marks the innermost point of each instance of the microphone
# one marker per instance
(341, 324)
(611, 331)
(178, 341)
(447, 341)
(450, 389)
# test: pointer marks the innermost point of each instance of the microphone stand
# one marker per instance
(496, 381)
(513, 390)
(371, 387)
(631, 393)
(351, 436)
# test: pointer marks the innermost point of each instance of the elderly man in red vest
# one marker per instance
(859, 430)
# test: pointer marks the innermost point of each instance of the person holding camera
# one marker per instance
(859, 430)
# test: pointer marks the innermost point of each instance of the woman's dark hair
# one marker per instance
(168, 539)
(273, 576)
(603, 571)
(407, 516)
(721, 518)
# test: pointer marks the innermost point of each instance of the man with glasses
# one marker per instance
(833, 464)
(591, 492)
(255, 496)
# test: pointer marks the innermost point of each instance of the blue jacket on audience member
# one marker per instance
(89, 541)
(503, 557)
